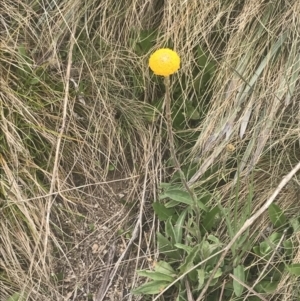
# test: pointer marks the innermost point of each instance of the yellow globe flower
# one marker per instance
(164, 62)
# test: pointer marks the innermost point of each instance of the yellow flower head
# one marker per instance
(164, 62)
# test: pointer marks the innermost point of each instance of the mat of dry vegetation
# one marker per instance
(80, 162)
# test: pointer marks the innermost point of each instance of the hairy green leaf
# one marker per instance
(178, 228)
(209, 220)
(239, 273)
(164, 268)
(294, 269)
(178, 195)
(166, 247)
(170, 231)
(205, 249)
(151, 288)
(162, 212)
(184, 247)
(276, 215)
(189, 260)
(265, 248)
(153, 275)
(201, 278)
(266, 286)
(288, 247)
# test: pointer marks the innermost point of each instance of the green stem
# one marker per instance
(172, 147)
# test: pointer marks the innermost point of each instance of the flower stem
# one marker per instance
(172, 144)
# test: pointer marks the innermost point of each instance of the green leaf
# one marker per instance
(111, 167)
(275, 237)
(294, 222)
(294, 269)
(266, 286)
(164, 185)
(214, 239)
(201, 205)
(254, 298)
(177, 195)
(205, 250)
(256, 250)
(178, 118)
(164, 268)
(151, 288)
(191, 112)
(189, 260)
(153, 275)
(241, 241)
(146, 41)
(265, 248)
(276, 215)
(178, 228)
(34, 81)
(171, 204)
(24, 61)
(214, 282)
(218, 273)
(186, 248)
(239, 273)
(288, 247)
(182, 296)
(210, 218)
(207, 67)
(16, 297)
(23, 54)
(205, 198)
(169, 229)
(201, 57)
(162, 212)
(163, 243)
(201, 278)
(151, 113)
(165, 247)
(210, 68)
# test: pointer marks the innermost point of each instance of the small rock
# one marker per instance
(95, 248)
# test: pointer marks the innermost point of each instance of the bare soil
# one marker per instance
(98, 238)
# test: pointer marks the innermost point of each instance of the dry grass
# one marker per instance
(103, 86)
